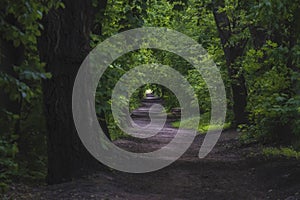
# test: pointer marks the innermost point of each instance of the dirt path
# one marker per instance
(226, 173)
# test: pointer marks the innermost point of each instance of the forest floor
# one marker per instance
(230, 171)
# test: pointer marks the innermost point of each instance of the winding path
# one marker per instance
(226, 173)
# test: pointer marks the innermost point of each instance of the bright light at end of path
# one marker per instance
(149, 91)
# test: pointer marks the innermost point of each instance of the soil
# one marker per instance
(230, 171)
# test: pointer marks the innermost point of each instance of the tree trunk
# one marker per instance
(63, 46)
(238, 87)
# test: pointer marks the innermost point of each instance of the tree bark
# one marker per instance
(63, 46)
(238, 87)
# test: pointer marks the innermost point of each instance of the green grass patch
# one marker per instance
(286, 152)
(204, 124)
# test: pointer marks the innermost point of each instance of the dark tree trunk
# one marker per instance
(63, 46)
(238, 87)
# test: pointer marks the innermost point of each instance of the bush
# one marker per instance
(8, 164)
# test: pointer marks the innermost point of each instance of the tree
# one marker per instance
(271, 67)
(226, 29)
(64, 44)
(21, 73)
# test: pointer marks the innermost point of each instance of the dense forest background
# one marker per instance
(254, 43)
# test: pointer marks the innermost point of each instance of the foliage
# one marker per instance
(271, 78)
(8, 164)
(157, 14)
(272, 72)
(21, 81)
(269, 63)
(271, 99)
(123, 15)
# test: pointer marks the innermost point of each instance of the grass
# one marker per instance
(204, 124)
(286, 152)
